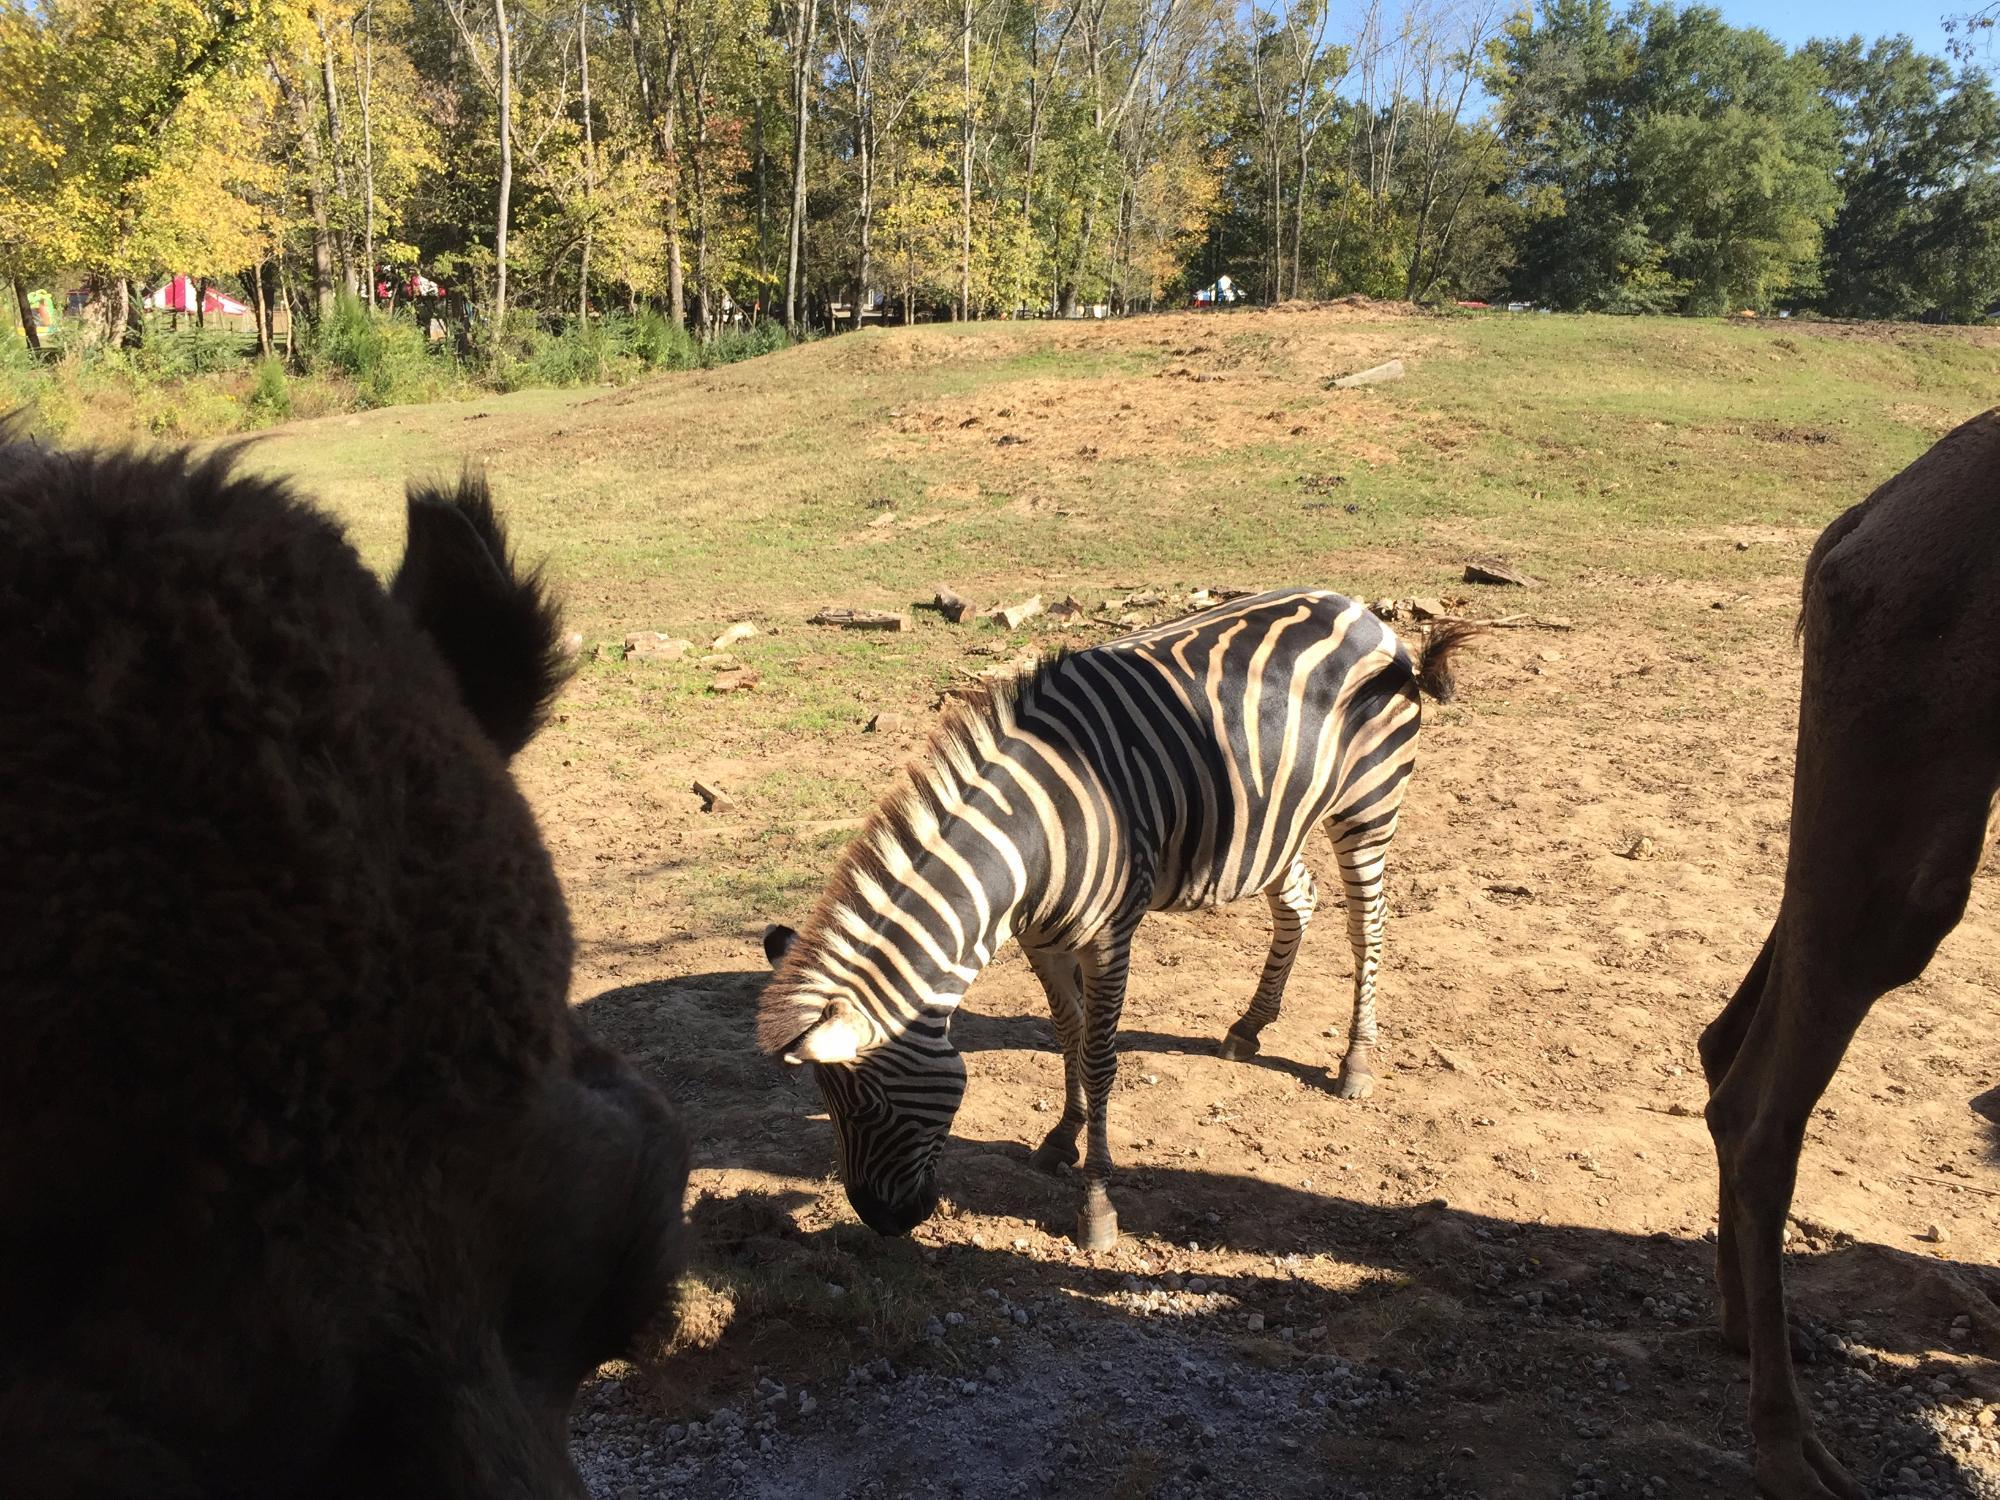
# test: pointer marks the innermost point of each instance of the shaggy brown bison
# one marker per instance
(310, 1184)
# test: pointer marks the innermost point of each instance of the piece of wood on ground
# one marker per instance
(739, 680)
(1374, 375)
(1493, 570)
(1067, 608)
(951, 606)
(1014, 616)
(862, 619)
(713, 798)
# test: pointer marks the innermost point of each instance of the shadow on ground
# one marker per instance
(1495, 1356)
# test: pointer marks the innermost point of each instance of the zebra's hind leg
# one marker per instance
(1062, 981)
(1293, 901)
(1361, 853)
(1106, 963)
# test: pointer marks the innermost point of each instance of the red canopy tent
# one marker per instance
(178, 295)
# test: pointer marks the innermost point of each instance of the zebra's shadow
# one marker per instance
(1486, 1313)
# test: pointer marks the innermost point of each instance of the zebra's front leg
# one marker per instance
(1361, 878)
(1105, 966)
(1293, 901)
(1062, 981)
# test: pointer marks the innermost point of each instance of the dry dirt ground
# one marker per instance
(1490, 1279)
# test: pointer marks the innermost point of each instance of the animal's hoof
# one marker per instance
(1053, 1155)
(1807, 1472)
(1236, 1046)
(1097, 1230)
(1355, 1082)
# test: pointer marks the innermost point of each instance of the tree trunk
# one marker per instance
(506, 169)
(670, 160)
(365, 87)
(263, 312)
(28, 330)
(965, 171)
(804, 36)
(122, 315)
(863, 268)
(589, 163)
(341, 231)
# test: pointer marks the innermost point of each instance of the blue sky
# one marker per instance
(1794, 22)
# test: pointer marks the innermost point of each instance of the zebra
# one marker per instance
(1179, 767)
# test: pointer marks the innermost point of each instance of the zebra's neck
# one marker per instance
(935, 885)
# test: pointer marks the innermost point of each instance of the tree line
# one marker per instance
(821, 161)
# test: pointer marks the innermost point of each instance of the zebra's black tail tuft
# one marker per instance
(1435, 676)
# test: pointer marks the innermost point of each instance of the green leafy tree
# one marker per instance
(1918, 231)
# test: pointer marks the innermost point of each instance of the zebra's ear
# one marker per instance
(778, 942)
(835, 1037)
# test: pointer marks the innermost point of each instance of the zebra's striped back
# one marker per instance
(1181, 766)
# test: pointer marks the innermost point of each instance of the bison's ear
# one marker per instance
(778, 942)
(836, 1037)
(497, 628)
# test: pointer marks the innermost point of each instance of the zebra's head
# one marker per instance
(891, 1098)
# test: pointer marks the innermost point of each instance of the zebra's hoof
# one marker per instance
(1355, 1082)
(1097, 1231)
(1053, 1155)
(1236, 1046)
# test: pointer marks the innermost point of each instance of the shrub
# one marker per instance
(271, 394)
(388, 358)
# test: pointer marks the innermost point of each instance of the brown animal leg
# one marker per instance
(1758, 1118)
(1719, 1046)
(1869, 895)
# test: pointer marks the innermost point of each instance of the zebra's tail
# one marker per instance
(1435, 674)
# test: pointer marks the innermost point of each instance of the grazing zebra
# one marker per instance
(1179, 767)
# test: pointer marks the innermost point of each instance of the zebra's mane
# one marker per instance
(966, 736)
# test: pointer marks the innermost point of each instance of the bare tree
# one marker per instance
(364, 90)
(1446, 43)
(804, 40)
(589, 161)
(499, 77)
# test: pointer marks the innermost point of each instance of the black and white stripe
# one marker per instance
(1179, 767)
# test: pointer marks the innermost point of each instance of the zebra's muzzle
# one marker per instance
(893, 1216)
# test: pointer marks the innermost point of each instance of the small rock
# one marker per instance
(1427, 607)
(1934, 1234)
(1066, 608)
(888, 723)
(1641, 847)
(1254, 1322)
(1144, 599)
(742, 680)
(572, 643)
(742, 630)
(720, 661)
(1742, 546)
(655, 646)
(951, 606)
